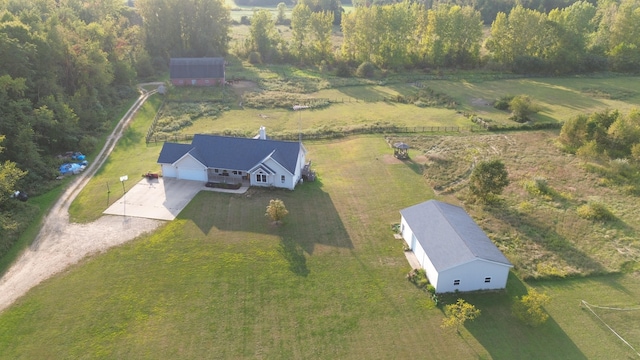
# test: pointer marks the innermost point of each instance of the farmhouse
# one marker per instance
(197, 71)
(257, 161)
(451, 247)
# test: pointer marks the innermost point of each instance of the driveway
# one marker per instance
(161, 199)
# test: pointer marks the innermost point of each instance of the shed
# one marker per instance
(454, 251)
(197, 71)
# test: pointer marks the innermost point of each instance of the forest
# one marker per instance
(68, 67)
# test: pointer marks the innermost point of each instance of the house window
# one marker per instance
(216, 171)
(456, 282)
(235, 172)
(487, 279)
(261, 178)
(282, 178)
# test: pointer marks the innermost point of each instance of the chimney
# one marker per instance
(263, 133)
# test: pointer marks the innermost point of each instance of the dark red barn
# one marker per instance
(197, 71)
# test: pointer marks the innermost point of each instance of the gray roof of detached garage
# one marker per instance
(224, 152)
(196, 68)
(449, 235)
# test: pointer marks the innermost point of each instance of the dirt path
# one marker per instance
(61, 244)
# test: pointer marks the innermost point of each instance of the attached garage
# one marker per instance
(188, 168)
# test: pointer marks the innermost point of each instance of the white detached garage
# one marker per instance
(455, 253)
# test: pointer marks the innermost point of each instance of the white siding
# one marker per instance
(168, 171)
(189, 168)
(275, 180)
(472, 277)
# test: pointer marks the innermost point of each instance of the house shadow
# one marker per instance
(313, 219)
(505, 337)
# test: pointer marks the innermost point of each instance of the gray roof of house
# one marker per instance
(449, 235)
(181, 68)
(223, 152)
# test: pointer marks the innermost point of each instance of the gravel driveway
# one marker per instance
(61, 244)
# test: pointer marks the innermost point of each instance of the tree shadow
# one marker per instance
(293, 253)
(545, 236)
(504, 337)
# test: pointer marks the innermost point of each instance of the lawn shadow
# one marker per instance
(313, 218)
(505, 337)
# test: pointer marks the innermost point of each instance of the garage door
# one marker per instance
(192, 174)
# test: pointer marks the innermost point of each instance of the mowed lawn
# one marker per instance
(222, 282)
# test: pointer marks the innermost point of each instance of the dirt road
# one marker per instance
(61, 244)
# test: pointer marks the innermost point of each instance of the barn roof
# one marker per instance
(449, 235)
(224, 152)
(183, 68)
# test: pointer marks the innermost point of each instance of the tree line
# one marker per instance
(580, 37)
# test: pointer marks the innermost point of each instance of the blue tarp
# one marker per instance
(72, 168)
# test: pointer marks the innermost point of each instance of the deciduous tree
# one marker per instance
(458, 313)
(529, 308)
(488, 179)
(276, 211)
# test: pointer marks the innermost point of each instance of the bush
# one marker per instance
(595, 211)
(537, 187)
(503, 103)
(255, 58)
(365, 70)
(342, 69)
(522, 107)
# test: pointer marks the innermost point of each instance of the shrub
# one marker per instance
(418, 277)
(522, 106)
(342, 69)
(255, 58)
(537, 187)
(503, 103)
(595, 211)
(365, 70)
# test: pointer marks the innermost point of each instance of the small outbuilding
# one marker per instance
(454, 251)
(197, 71)
(401, 150)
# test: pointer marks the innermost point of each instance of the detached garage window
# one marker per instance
(456, 282)
(487, 279)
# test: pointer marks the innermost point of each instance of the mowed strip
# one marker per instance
(161, 199)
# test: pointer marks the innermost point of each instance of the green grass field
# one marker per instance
(222, 281)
